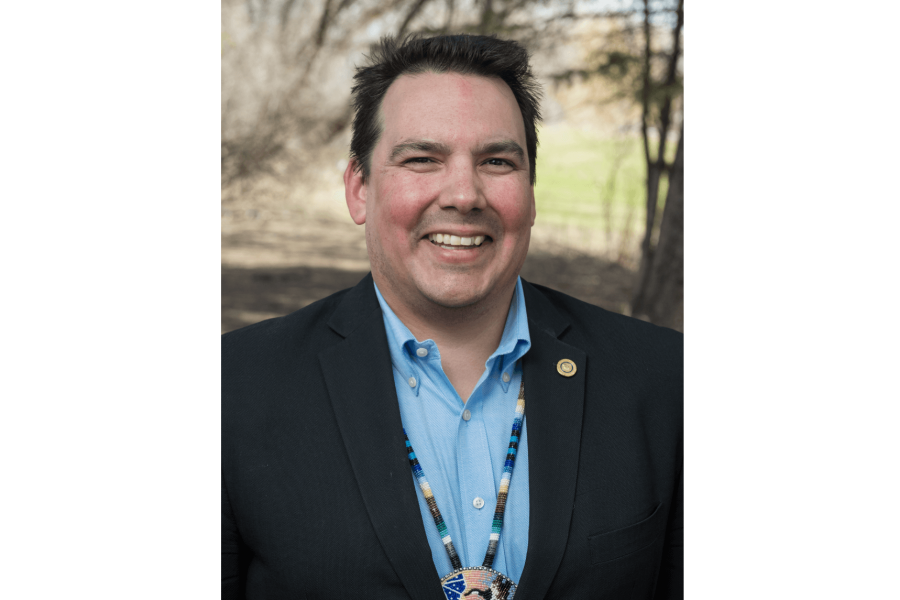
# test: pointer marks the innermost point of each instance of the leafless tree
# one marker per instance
(659, 289)
(286, 65)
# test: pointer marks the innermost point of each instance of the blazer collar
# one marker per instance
(554, 408)
(359, 378)
(355, 308)
(360, 382)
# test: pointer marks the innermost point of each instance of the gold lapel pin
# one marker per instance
(566, 367)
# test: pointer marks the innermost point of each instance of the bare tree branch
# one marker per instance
(410, 15)
(284, 14)
(451, 9)
(645, 83)
(669, 83)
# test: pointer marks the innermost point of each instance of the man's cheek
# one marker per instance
(514, 203)
(404, 206)
(403, 216)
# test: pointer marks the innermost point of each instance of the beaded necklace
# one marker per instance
(483, 581)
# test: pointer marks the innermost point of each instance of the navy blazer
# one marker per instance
(318, 500)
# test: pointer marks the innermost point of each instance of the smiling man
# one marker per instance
(448, 206)
(445, 429)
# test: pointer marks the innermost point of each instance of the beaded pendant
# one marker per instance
(477, 582)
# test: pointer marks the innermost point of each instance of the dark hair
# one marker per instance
(482, 55)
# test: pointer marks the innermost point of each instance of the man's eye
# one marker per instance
(418, 159)
(498, 162)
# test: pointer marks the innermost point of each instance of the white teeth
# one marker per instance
(447, 239)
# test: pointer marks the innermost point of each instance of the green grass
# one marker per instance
(585, 180)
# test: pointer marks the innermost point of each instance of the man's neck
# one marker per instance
(466, 336)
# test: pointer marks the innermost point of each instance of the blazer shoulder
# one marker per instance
(602, 332)
(632, 367)
(301, 331)
(593, 317)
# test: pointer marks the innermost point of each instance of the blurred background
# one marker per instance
(610, 184)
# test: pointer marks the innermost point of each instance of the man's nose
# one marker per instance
(463, 190)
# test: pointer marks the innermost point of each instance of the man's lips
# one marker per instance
(450, 240)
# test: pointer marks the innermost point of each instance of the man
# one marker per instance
(374, 442)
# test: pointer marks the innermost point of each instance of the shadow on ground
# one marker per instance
(253, 294)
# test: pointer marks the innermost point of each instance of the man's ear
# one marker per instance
(355, 192)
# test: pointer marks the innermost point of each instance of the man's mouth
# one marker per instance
(447, 240)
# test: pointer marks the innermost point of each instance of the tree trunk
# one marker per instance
(653, 174)
(647, 250)
(662, 301)
(648, 290)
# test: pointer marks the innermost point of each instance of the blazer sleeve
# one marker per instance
(232, 575)
(670, 585)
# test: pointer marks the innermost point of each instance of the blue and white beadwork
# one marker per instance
(432, 504)
(483, 581)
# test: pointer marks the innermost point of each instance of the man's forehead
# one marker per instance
(421, 99)
(465, 84)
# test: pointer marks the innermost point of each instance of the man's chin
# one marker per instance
(460, 296)
(453, 301)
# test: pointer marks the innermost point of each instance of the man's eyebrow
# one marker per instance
(419, 146)
(502, 147)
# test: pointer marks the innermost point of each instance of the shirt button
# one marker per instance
(467, 415)
(412, 382)
(422, 352)
(478, 503)
(506, 378)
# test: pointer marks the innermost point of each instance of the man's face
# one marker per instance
(452, 161)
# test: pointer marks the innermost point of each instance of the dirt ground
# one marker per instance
(275, 262)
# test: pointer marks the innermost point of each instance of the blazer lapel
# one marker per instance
(359, 377)
(553, 416)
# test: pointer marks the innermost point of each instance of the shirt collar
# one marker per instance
(514, 342)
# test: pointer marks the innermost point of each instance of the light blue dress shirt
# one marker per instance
(462, 446)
